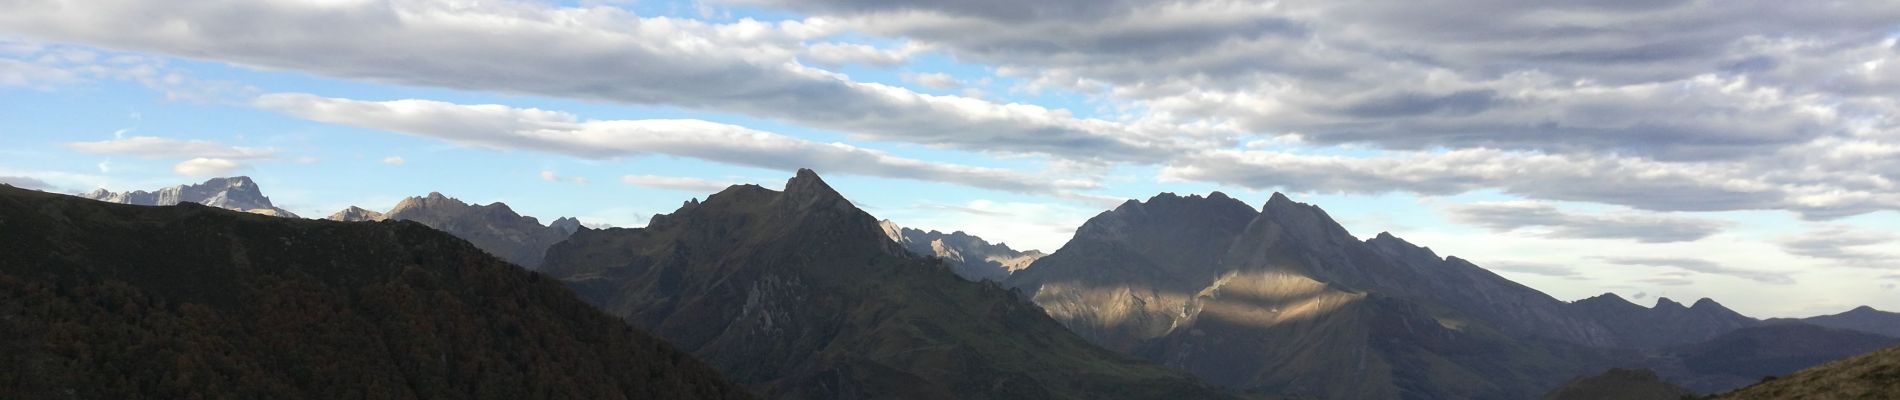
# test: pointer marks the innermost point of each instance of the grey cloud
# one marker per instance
(746, 67)
(26, 182)
(1642, 227)
(1640, 295)
(1842, 245)
(1633, 182)
(1702, 266)
(1671, 80)
(507, 128)
(1533, 268)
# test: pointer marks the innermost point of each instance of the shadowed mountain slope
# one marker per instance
(801, 295)
(1863, 318)
(1667, 324)
(106, 301)
(1286, 301)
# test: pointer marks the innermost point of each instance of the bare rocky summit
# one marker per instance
(969, 256)
(234, 193)
(494, 227)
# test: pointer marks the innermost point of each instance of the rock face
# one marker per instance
(494, 228)
(104, 301)
(1863, 318)
(1620, 384)
(801, 295)
(1871, 376)
(234, 193)
(969, 256)
(1285, 301)
(1667, 324)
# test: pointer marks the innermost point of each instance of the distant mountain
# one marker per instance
(1744, 356)
(105, 301)
(969, 256)
(494, 227)
(1285, 301)
(1619, 384)
(355, 214)
(799, 294)
(1870, 376)
(1667, 324)
(1863, 318)
(234, 193)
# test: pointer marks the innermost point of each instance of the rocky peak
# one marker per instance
(1665, 304)
(1303, 222)
(808, 190)
(567, 225)
(1396, 247)
(1863, 310)
(355, 214)
(1610, 300)
(234, 193)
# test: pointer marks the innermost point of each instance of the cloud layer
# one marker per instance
(507, 128)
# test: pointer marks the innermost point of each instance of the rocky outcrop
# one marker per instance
(801, 295)
(233, 193)
(969, 256)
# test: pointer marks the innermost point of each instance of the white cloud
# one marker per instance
(394, 161)
(680, 183)
(26, 182)
(207, 167)
(549, 176)
(933, 80)
(502, 127)
(161, 148)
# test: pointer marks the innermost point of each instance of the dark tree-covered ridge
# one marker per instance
(115, 301)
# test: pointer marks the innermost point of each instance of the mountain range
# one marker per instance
(494, 227)
(797, 293)
(104, 301)
(233, 193)
(969, 256)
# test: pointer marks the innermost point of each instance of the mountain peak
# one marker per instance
(1217, 195)
(1704, 303)
(1664, 303)
(808, 188)
(1863, 309)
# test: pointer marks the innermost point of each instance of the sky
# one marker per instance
(1740, 150)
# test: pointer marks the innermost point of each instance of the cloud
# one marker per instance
(394, 161)
(1842, 245)
(932, 80)
(1701, 266)
(833, 54)
(607, 54)
(679, 183)
(502, 127)
(26, 182)
(207, 167)
(1642, 227)
(1534, 268)
(549, 176)
(161, 148)
(1634, 182)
